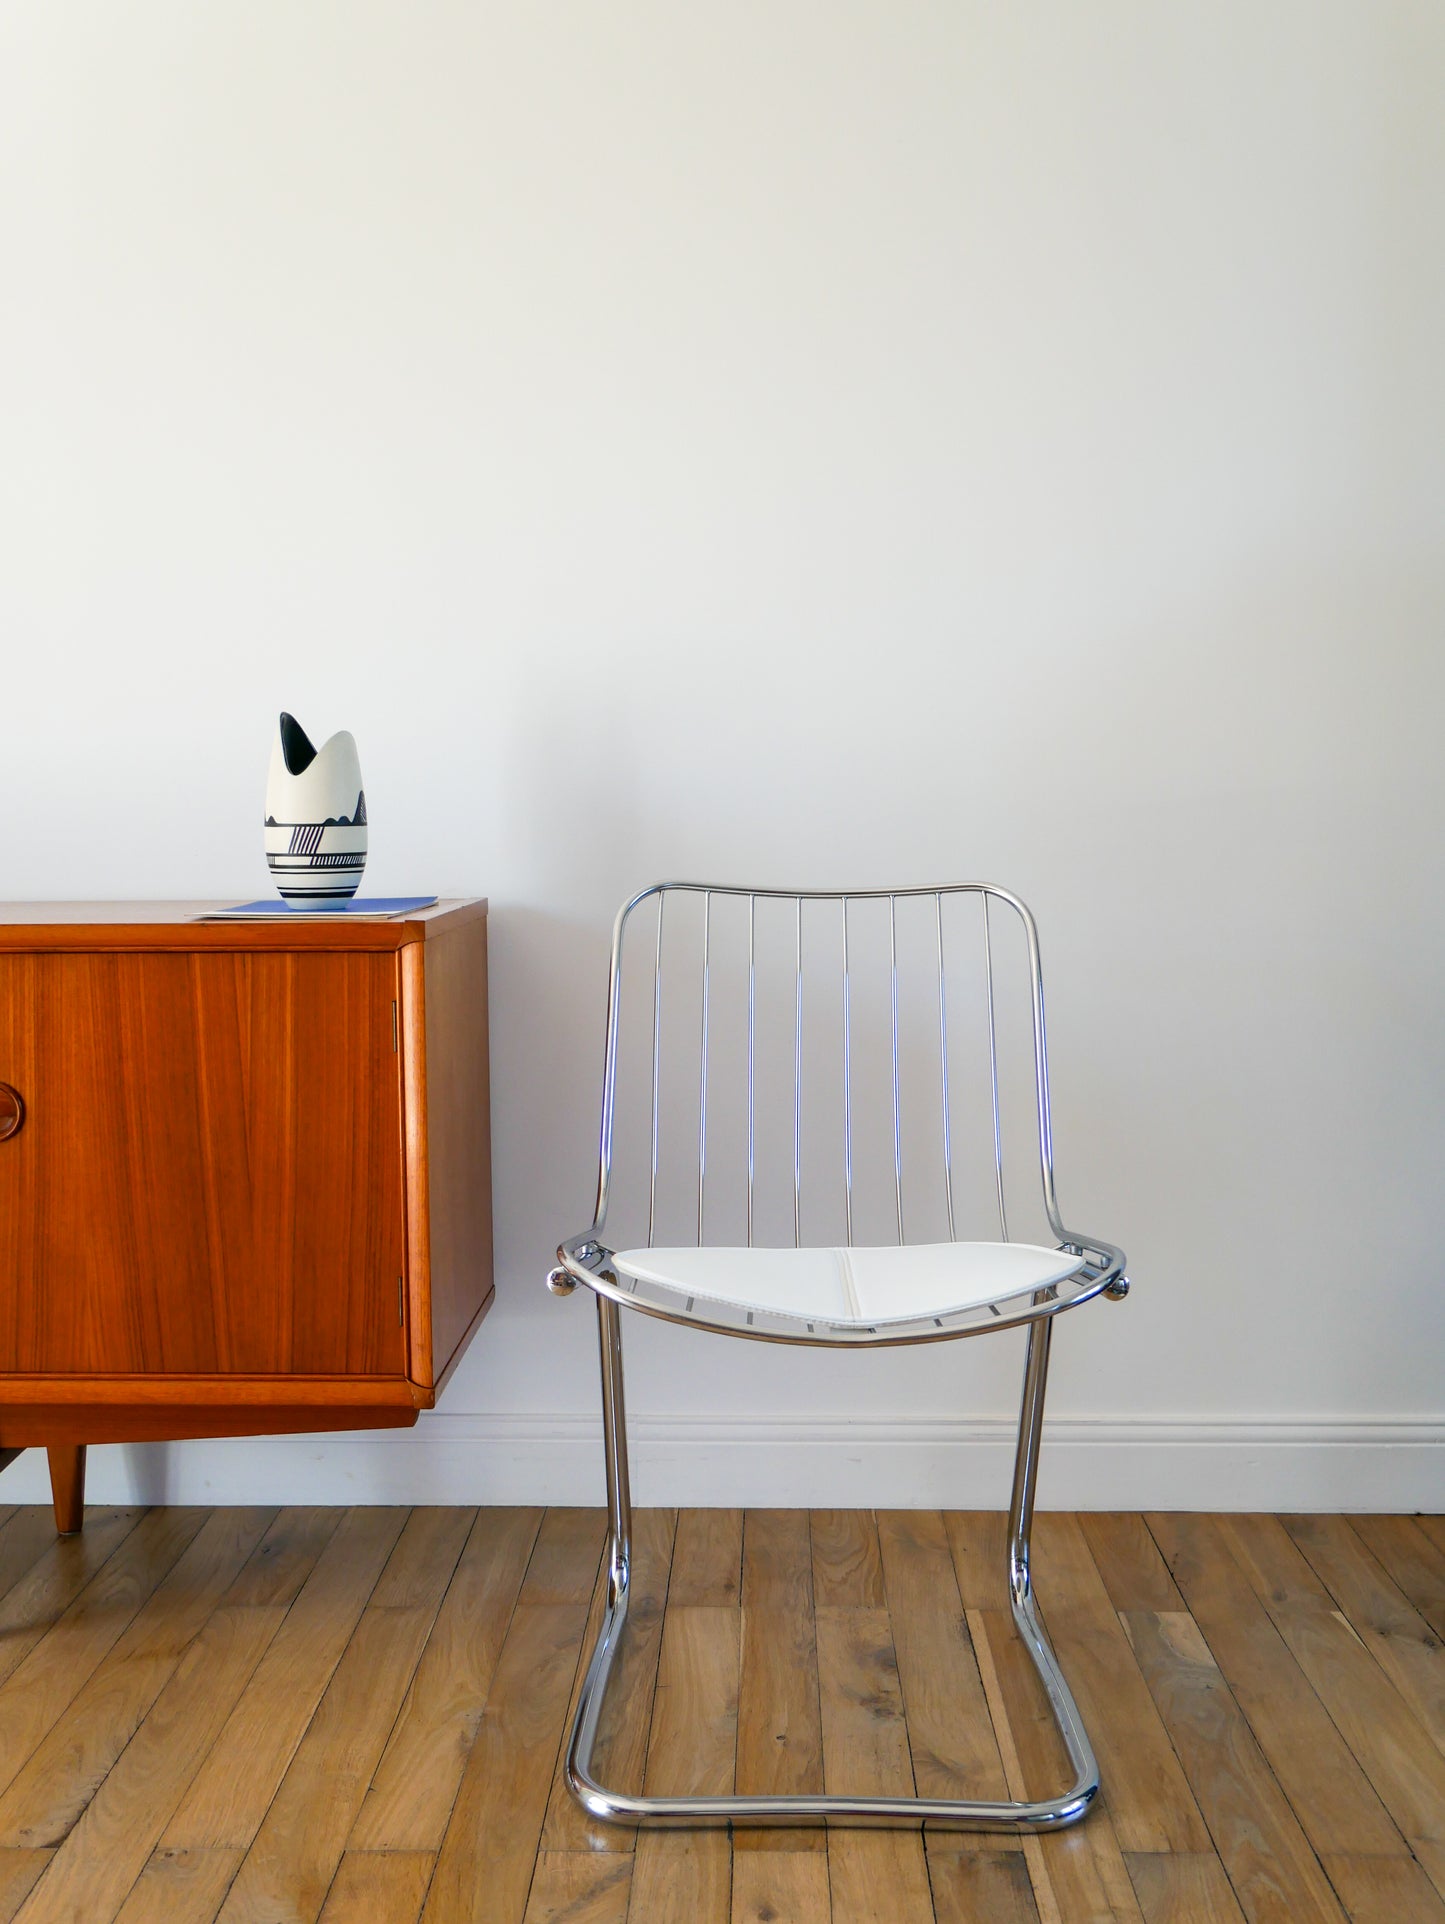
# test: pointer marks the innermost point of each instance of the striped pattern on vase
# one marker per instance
(315, 817)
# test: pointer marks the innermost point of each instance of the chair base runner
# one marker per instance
(618, 1807)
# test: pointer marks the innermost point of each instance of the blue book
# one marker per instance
(363, 905)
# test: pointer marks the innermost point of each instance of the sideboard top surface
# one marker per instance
(179, 925)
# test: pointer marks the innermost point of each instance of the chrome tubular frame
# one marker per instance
(587, 1259)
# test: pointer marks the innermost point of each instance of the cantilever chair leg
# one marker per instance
(942, 1813)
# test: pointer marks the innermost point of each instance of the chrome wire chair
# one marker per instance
(895, 1076)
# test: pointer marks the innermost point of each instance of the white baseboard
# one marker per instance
(1088, 1464)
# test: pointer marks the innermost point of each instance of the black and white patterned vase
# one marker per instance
(315, 817)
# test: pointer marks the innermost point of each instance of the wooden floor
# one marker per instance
(355, 1716)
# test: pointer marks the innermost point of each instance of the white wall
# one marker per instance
(791, 442)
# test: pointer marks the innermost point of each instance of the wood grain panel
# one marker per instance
(456, 1141)
(210, 1175)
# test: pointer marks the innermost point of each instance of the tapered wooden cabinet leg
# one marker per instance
(67, 1485)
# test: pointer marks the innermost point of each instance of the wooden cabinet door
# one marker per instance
(209, 1175)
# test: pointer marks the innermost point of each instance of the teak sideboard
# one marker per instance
(245, 1172)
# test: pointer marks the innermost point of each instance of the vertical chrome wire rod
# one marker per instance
(702, 1068)
(993, 1070)
(656, 1057)
(752, 1033)
(943, 1067)
(798, 1080)
(847, 1084)
(897, 1117)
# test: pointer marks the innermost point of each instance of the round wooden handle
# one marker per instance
(12, 1110)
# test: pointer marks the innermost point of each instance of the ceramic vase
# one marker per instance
(315, 817)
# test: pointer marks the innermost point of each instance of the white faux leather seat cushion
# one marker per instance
(868, 1286)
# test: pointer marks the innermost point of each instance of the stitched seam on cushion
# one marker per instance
(850, 1289)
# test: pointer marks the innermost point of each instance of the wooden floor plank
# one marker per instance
(1391, 1629)
(1331, 1795)
(379, 1887)
(580, 1887)
(563, 1564)
(108, 1847)
(27, 1533)
(865, 1736)
(1174, 1888)
(872, 1874)
(878, 1877)
(290, 1865)
(1391, 1743)
(692, 1751)
(1275, 1874)
(981, 1887)
(847, 1566)
(1385, 1890)
(19, 1870)
(620, 1756)
(1147, 1794)
(488, 1855)
(781, 1887)
(707, 1559)
(38, 1599)
(1127, 1557)
(66, 1769)
(60, 1663)
(180, 1887)
(235, 1785)
(979, 1542)
(407, 1806)
(780, 1740)
(1077, 1874)
(951, 1741)
(1415, 1562)
(361, 1679)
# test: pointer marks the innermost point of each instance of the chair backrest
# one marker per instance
(821, 1066)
